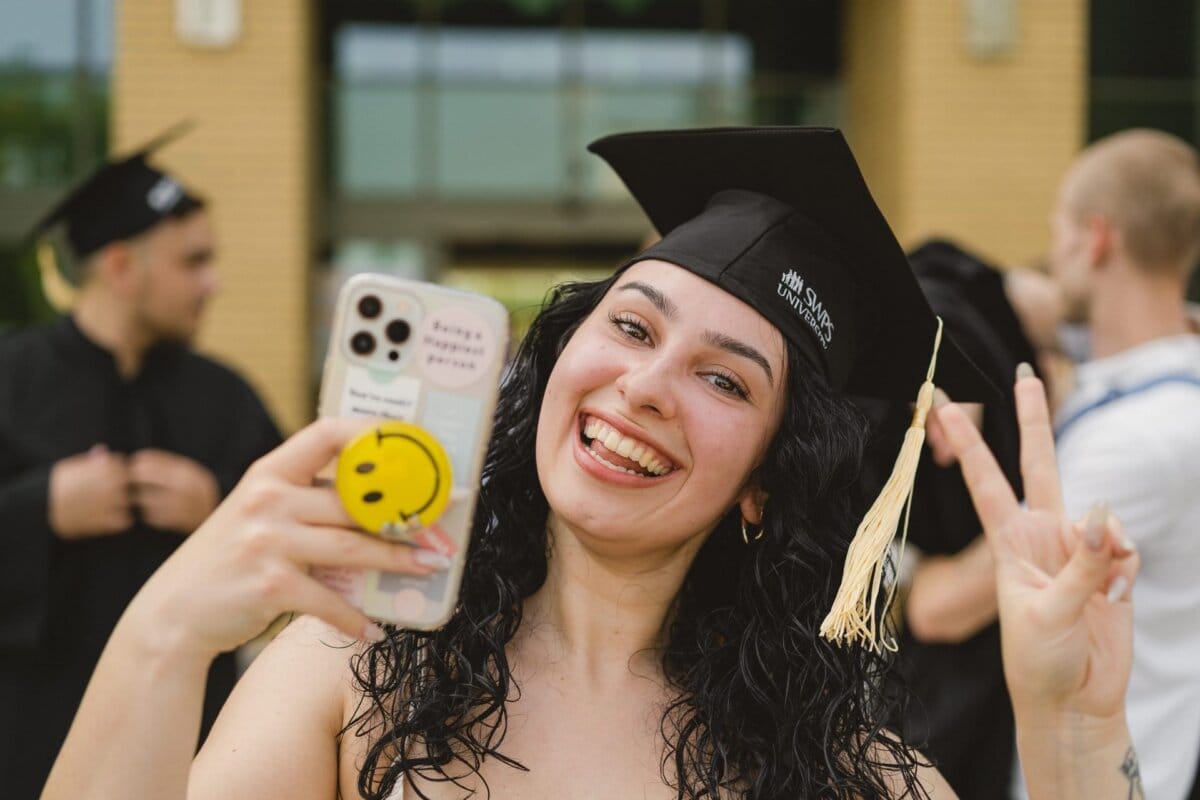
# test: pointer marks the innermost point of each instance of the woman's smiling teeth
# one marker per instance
(606, 445)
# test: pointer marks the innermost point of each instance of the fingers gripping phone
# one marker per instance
(425, 354)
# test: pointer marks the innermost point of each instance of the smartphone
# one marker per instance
(420, 353)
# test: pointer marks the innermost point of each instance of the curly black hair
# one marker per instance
(763, 707)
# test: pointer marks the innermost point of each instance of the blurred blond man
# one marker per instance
(1126, 236)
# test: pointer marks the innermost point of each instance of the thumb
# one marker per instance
(99, 449)
(1087, 571)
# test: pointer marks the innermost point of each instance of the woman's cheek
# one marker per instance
(734, 441)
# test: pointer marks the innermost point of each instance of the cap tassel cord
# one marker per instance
(853, 615)
(58, 292)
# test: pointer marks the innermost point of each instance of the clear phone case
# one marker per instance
(432, 356)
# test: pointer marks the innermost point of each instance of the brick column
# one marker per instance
(252, 156)
(957, 145)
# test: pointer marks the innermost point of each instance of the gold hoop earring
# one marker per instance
(746, 537)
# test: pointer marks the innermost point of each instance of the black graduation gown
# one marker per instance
(60, 394)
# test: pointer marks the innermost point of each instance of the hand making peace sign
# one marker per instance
(1063, 594)
(1063, 587)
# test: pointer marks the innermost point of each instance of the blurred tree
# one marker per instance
(21, 298)
(39, 120)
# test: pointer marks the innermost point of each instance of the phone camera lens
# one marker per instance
(362, 343)
(398, 331)
(370, 306)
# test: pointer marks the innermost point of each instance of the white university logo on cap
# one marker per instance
(163, 195)
(808, 305)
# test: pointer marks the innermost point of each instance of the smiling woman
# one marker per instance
(637, 594)
(620, 631)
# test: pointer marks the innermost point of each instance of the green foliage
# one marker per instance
(21, 298)
(39, 118)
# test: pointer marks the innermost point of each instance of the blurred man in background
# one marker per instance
(1126, 236)
(116, 441)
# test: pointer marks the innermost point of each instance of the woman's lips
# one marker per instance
(619, 450)
(608, 464)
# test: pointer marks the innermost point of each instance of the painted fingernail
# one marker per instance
(1024, 370)
(431, 559)
(940, 398)
(1093, 528)
(1116, 589)
(373, 633)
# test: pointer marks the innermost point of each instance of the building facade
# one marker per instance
(445, 139)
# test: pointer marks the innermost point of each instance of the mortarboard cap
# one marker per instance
(781, 218)
(120, 200)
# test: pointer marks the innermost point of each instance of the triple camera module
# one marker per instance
(395, 332)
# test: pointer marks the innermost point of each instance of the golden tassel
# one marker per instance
(852, 617)
(59, 293)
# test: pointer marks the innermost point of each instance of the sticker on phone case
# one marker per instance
(456, 346)
(367, 393)
(454, 420)
(432, 587)
(409, 604)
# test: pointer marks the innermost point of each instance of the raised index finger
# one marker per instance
(300, 458)
(990, 492)
(1038, 465)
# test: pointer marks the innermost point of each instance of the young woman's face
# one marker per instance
(658, 410)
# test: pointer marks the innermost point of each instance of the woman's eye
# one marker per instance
(630, 327)
(726, 384)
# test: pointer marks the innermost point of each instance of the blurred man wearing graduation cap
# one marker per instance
(116, 442)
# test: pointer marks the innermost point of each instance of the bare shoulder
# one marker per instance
(327, 649)
(310, 660)
(928, 776)
(277, 735)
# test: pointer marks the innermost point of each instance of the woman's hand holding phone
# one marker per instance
(249, 562)
(136, 730)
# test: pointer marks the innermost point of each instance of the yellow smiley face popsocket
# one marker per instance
(394, 479)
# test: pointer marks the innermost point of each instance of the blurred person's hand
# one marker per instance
(89, 495)
(935, 435)
(172, 492)
(1063, 591)
(1058, 374)
(1039, 305)
(1192, 310)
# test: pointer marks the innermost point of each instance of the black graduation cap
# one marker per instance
(781, 218)
(120, 200)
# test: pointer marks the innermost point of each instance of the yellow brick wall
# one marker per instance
(961, 146)
(251, 155)
(874, 41)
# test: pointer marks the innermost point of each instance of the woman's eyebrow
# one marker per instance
(656, 298)
(740, 348)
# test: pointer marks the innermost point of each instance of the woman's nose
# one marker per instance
(649, 384)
